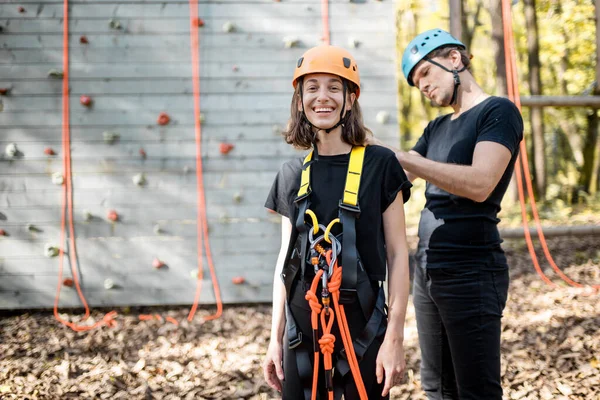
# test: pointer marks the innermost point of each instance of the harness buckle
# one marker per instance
(354, 209)
(347, 296)
(295, 342)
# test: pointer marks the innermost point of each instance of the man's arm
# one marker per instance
(475, 181)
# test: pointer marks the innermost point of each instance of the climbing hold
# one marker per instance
(55, 73)
(110, 137)
(291, 41)
(158, 264)
(114, 24)
(163, 118)
(353, 42)
(157, 229)
(68, 282)
(235, 68)
(200, 22)
(83, 39)
(277, 129)
(3, 232)
(5, 91)
(108, 284)
(143, 153)
(33, 228)
(85, 101)
(11, 150)
(139, 179)
(49, 151)
(112, 215)
(228, 27)
(50, 250)
(58, 178)
(22, 9)
(238, 280)
(382, 117)
(87, 215)
(194, 274)
(225, 148)
(186, 170)
(238, 197)
(201, 118)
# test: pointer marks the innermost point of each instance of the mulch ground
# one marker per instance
(551, 345)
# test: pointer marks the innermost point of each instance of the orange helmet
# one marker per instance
(329, 60)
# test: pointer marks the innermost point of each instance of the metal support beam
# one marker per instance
(561, 101)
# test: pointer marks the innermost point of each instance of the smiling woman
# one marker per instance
(325, 84)
(342, 205)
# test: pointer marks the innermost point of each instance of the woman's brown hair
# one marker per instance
(300, 134)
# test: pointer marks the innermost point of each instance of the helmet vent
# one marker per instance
(300, 60)
(347, 62)
(414, 49)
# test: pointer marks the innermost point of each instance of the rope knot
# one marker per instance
(327, 343)
(313, 302)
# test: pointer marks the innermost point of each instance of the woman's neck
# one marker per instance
(331, 144)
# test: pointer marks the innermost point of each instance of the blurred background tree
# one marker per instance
(556, 43)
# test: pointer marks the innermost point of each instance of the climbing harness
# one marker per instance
(315, 246)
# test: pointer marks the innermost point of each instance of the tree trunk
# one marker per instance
(495, 8)
(589, 152)
(538, 145)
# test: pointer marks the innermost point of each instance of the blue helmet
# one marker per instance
(422, 45)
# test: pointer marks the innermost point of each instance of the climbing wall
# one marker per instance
(133, 145)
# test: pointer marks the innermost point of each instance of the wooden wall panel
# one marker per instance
(134, 73)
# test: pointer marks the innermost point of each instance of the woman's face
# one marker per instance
(323, 98)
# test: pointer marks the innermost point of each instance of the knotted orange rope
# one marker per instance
(327, 340)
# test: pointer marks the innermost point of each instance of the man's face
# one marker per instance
(435, 83)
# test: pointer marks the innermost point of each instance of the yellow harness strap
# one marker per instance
(357, 156)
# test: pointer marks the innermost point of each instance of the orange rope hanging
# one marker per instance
(202, 225)
(67, 202)
(327, 340)
(325, 21)
(513, 94)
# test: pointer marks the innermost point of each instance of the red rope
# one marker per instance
(67, 201)
(325, 21)
(513, 94)
(202, 225)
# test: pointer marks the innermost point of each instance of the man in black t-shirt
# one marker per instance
(461, 282)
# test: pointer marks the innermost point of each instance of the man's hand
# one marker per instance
(371, 140)
(272, 368)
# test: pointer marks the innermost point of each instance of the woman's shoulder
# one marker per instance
(379, 152)
(291, 168)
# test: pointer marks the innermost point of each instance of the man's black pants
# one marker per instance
(458, 312)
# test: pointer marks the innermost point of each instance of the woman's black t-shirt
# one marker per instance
(382, 178)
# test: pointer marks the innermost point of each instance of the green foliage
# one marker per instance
(567, 55)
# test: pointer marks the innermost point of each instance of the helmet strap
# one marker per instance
(455, 73)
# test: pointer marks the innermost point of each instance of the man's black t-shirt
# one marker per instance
(453, 230)
(382, 178)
